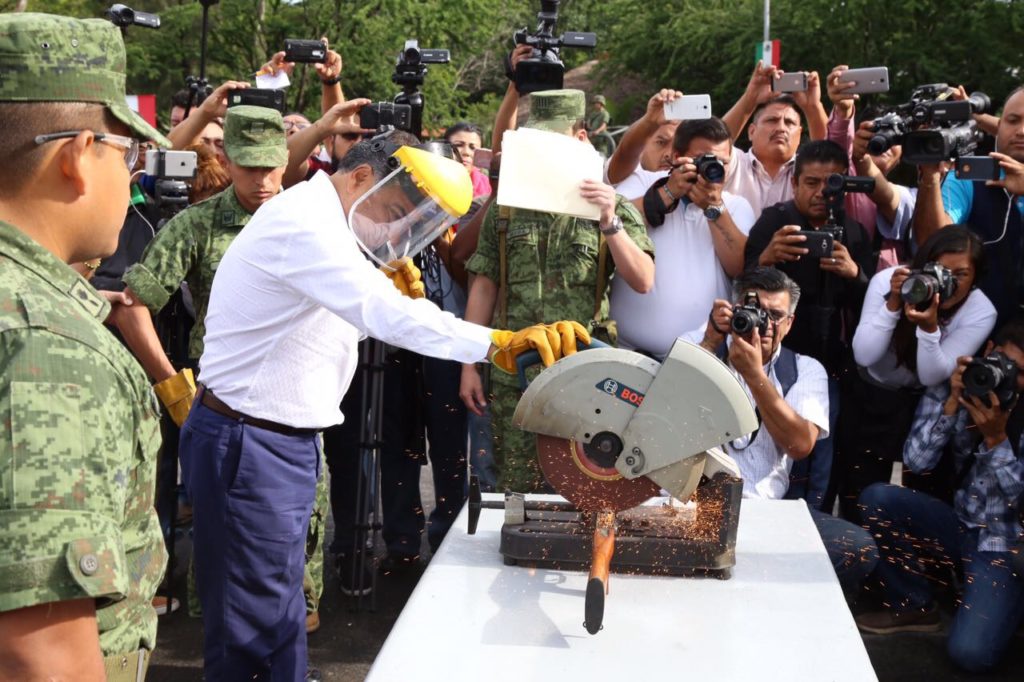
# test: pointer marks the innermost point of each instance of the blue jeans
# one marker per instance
(905, 522)
(850, 549)
(252, 494)
(481, 450)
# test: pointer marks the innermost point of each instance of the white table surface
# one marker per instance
(781, 616)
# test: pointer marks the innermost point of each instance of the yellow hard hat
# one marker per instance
(443, 180)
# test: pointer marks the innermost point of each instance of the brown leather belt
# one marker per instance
(208, 399)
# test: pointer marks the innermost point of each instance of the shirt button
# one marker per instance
(88, 564)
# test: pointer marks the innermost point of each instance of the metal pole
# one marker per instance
(767, 20)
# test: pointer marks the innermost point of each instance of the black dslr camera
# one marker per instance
(543, 70)
(749, 316)
(994, 373)
(710, 168)
(931, 127)
(921, 286)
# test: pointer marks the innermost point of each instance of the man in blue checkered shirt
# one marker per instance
(980, 533)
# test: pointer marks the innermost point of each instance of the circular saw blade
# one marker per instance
(586, 484)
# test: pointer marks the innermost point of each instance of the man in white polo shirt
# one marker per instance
(699, 230)
(292, 297)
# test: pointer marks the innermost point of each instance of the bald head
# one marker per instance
(1010, 134)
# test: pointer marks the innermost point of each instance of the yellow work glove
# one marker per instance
(176, 393)
(406, 277)
(551, 341)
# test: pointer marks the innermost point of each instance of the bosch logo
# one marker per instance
(623, 393)
(611, 386)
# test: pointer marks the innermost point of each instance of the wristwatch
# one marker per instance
(331, 81)
(616, 226)
(714, 212)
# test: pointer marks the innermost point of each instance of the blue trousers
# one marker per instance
(850, 548)
(252, 493)
(907, 522)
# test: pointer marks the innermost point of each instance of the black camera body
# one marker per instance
(710, 168)
(994, 373)
(305, 51)
(921, 286)
(836, 187)
(257, 97)
(544, 70)
(931, 127)
(749, 316)
(381, 116)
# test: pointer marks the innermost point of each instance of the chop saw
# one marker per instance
(615, 428)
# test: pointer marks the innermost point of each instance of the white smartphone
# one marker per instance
(171, 164)
(868, 80)
(688, 108)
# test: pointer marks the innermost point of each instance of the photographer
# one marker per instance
(645, 151)
(697, 227)
(976, 533)
(763, 175)
(790, 392)
(886, 210)
(989, 210)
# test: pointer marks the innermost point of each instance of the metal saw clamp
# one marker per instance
(614, 426)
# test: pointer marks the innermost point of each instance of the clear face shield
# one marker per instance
(409, 208)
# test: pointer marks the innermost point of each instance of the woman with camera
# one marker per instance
(914, 324)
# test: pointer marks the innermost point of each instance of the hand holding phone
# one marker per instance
(867, 80)
(790, 82)
(818, 244)
(977, 168)
(688, 108)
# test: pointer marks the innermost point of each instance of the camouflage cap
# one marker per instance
(254, 137)
(556, 110)
(598, 99)
(49, 58)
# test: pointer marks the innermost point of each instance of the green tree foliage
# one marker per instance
(694, 45)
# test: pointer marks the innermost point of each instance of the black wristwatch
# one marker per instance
(714, 212)
(331, 81)
(616, 226)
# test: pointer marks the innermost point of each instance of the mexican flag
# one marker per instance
(144, 106)
(769, 52)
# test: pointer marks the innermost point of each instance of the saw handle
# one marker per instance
(530, 358)
(600, 564)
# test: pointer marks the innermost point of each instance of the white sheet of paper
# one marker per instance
(543, 171)
(273, 82)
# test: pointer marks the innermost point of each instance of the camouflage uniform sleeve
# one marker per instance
(633, 223)
(66, 473)
(485, 260)
(166, 260)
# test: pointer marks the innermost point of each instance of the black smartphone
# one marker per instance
(257, 97)
(977, 168)
(305, 51)
(818, 244)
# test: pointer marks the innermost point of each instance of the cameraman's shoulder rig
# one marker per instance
(604, 329)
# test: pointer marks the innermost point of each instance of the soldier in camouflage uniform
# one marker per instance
(552, 264)
(81, 552)
(189, 248)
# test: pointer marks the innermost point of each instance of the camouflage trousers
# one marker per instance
(515, 450)
(313, 576)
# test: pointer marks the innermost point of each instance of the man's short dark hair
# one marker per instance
(787, 100)
(20, 122)
(767, 278)
(375, 153)
(1011, 332)
(180, 99)
(820, 151)
(712, 129)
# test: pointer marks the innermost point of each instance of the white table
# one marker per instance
(781, 616)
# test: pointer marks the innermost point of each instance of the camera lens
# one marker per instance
(711, 169)
(980, 378)
(918, 288)
(743, 322)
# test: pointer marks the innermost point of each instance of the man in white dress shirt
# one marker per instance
(790, 393)
(292, 297)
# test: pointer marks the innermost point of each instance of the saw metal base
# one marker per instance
(649, 540)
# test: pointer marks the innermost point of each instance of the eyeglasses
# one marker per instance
(129, 145)
(776, 316)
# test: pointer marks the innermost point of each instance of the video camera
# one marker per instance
(124, 16)
(931, 127)
(994, 373)
(837, 186)
(406, 111)
(543, 70)
(749, 316)
(921, 286)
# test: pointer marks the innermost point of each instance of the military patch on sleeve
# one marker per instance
(227, 218)
(86, 297)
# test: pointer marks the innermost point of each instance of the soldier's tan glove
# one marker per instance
(551, 341)
(176, 393)
(406, 277)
